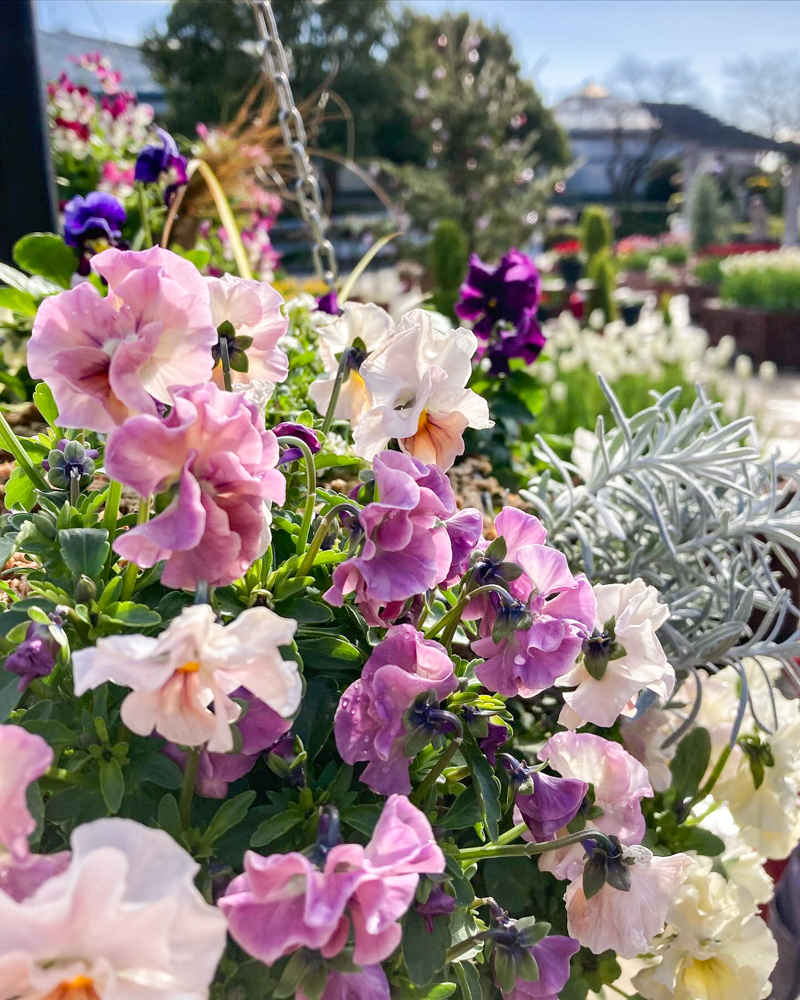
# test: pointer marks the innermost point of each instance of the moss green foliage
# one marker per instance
(600, 270)
(448, 264)
(596, 229)
(709, 216)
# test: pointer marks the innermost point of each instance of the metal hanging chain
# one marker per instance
(306, 187)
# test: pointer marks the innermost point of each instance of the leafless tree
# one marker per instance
(763, 93)
(670, 81)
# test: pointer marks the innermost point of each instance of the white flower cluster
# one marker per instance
(786, 260)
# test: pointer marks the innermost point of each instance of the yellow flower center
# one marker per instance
(709, 979)
(492, 303)
(190, 667)
(79, 988)
(423, 421)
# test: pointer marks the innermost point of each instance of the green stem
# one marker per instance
(454, 614)
(337, 388)
(417, 797)
(148, 235)
(129, 577)
(713, 777)
(470, 854)
(110, 514)
(454, 953)
(12, 444)
(319, 538)
(311, 490)
(513, 834)
(187, 788)
(225, 358)
(616, 989)
(74, 490)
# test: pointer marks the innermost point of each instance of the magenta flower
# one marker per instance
(260, 729)
(215, 457)
(407, 548)
(507, 292)
(465, 529)
(369, 719)
(24, 757)
(543, 636)
(553, 803)
(284, 902)
(369, 984)
(108, 358)
(552, 956)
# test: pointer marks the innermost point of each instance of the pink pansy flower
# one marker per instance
(284, 902)
(364, 322)
(529, 660)
(626, 921)
(638, 615)
(21, 877)
(123, 920)
(253, 308)
(176, 677)
(259, 729)
(369, 984)
(108, 358)
(369, 720)
(418, 381)
(620, 783)
(407, 548)
(213, 452)
(24, 757)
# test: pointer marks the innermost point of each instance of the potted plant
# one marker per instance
(570, 261)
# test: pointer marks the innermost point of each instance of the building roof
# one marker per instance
(690, 124)
(56, 47)
(593, 109)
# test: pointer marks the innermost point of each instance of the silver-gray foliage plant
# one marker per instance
(692, 507)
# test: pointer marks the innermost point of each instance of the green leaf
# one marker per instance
(487, 786)
(20, 491)
(48, 255)
(229, 815)
(159, 769)
(199, 258)
(274, 827)
(469, 980)
(55, 732)
(112, 784)
(84, 550)
(505, 970)
(690, 762)
(7, 546)
(425, 952)
(45, 404)
(9, 695)
(169, 817)
(18, 301)
(465, 812)
(326, 654)
(695, 838)
(305, 611)
(132, 615)
(362, 818)
(315, 721)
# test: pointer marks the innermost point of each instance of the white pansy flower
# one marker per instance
(418, 381)
(176, 677)
(643, 737)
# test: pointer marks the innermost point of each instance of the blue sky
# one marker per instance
(565, 41)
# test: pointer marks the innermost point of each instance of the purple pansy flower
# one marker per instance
(369, 720)
(509, 292)
(97, 216)
(155, 160)
(438, 904)
(524, 341)
(329, 303)
(36, 655)
(465, 529)
(261, 729)
(552, 956)
(497, 735)
(552, 802)
(306, 434)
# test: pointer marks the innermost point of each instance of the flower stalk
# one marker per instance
(337, 388)
(311, 490)
(188, 785)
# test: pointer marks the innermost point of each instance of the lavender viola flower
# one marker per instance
(305, 434)
(552, 956)
(93, 223)
(498, 734)
(156, 160)
(546, 803)
(36, 654)
(509, 292)
(438, 904)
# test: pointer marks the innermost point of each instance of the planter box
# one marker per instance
(764, 335)
(698, 295)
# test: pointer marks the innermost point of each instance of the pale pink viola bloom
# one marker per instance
(181, 681)
(368, 984)
(108, 358)
(284, 902)
(620, 783)
(418, 384)
(123, 920)
(407, 548)
(364, 322)
(639, 615)
(24, 757)
(529, 660)
(215, 454)
(369, 720)
(21, 877)
(253, 308)
(626, 921)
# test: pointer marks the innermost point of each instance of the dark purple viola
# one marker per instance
(329, 303)
(156, 160)
(525, 341)
(305, 434)
(507, 292)
(439, 903)
(98, 216)
(36, 655)
(497, 735)
(553, 803)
